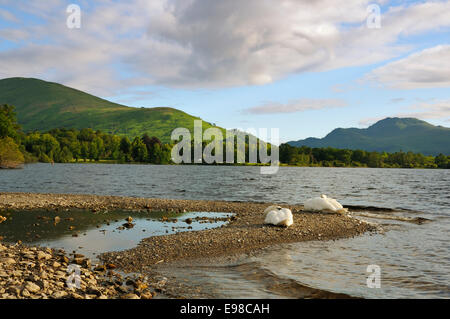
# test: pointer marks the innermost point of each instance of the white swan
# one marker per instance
(324, 203)
(275, 215)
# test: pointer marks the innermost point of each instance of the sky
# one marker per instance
(304, 67)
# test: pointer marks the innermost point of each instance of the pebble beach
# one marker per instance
(245, 232)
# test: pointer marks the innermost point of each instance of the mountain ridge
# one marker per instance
(391, 134)
(42, 105)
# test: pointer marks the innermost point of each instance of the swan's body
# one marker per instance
(275, 215)
(324, 203)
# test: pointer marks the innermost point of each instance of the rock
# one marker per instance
(43, 284)
(7, 261)
(29, 256)
(2, 219)
(130, 296)
(78, 260)
(100, 268)
(13, 290)
(26, 293)
(110, 266)
(93, 291)
(56, 264)
(59, 294)
(32, 287)
(64, 259)
(17, 273)
(41, 255)
(128, 225)
(146, 296)
(129, 219)
(57, 219)
(87, 263)
(76, 296)
(188, 220)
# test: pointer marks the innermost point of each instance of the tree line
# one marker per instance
(68, 145)
(333, 157)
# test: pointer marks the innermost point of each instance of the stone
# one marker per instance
(26, 293)
(87, 263)
(146, 296)
(41, 255)
(130, 296)
(64, 259)
(13, 290)
(7, 261)
(59, 294)
(76, 296)
(100, 268)
(78, 260)
(43, 284)
(32, 287)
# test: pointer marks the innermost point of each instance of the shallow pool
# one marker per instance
(90, 233)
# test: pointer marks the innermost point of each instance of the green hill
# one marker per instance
(388, 135)
(42, 106)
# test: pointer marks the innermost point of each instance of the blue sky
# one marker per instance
(303, 67)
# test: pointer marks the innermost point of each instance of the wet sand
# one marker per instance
(244, 233)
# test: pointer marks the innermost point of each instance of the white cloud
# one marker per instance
(439, 109)
(426, 69)
(204, 43)
(431, 110)
(299, 105)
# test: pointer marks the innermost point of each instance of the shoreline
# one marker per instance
(244, 233)
(115, 162)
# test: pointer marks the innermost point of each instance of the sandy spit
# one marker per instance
(244, 233)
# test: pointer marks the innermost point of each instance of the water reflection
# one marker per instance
(92, 233)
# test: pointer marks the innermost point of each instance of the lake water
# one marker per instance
(414, 259)
(92, 233)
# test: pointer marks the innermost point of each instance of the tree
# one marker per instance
(10, 155)
(8, 122)
(125, 145)
(442, 161)
(138, 150)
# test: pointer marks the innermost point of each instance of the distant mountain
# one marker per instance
(42, 106)
(389, 135)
